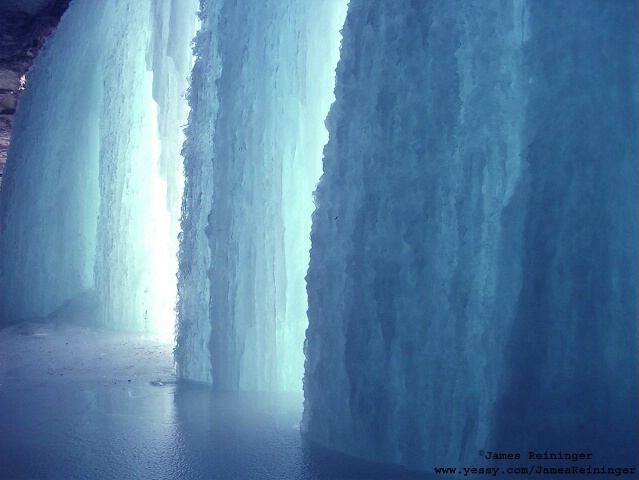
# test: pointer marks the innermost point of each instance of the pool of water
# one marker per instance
(57, 429)
(78, 403)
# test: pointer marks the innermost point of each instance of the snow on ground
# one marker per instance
(69, 350)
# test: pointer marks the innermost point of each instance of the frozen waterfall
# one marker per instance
(91, 194)
(261, 87)
(464, 276)
(473, 275)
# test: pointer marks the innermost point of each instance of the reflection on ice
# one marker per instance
(85, 403)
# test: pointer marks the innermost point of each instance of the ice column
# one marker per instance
(91, 204)
(50, 192)
(571, 366)
(260, 91)
(192, 353)
(147, 63)
(473, 233)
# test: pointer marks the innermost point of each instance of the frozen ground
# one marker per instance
(34, 352)
(83, 403)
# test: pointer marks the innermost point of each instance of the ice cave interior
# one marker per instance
(418, 219)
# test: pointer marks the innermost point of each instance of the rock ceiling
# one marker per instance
(23, 28)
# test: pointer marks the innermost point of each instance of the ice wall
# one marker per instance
(146, 67)
(93, 189)
(574, 334)
(50, 192)
(472, 282)
(261, 87)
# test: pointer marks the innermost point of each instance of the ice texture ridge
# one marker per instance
(472, 281)
(91, 194)
(261, 87)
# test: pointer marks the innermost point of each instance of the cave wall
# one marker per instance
(260, 90)
(473, 279)
(90, 206)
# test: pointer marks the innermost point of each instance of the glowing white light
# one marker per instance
(300, 176)
(160, 244)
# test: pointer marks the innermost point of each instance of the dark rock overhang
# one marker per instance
(24, 26)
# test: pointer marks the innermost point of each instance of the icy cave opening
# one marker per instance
(93, 203)
(91, 198)
(470, 280)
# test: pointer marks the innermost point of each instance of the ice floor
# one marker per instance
(81, 403)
